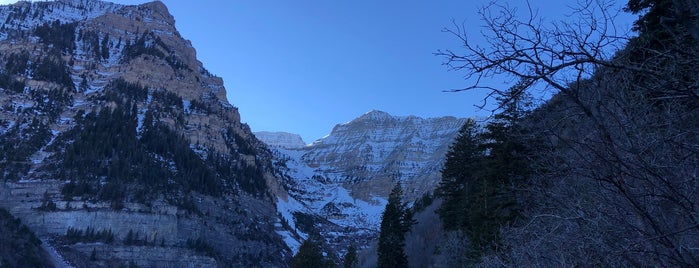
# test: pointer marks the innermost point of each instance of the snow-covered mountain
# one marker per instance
(370, 153)
(341, 182)
(283, 140)
(110, 123)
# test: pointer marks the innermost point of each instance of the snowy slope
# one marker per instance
(338, 214)
(369, 154)
(343, 179)
(280, 139)
(69, 64)
(26, 16)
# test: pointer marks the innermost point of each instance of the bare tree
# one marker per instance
(619, 181)
(556, 53)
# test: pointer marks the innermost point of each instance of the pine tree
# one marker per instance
(395, 222)
(482, 171)
(129, 240)
(351, 260)
(490, 197)
(104, 47)
(461, 166)
(310, 254)
(504, 169)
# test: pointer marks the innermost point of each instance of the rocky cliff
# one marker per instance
(280, 139)
(338, 185)
(110, 125)
(368, 155)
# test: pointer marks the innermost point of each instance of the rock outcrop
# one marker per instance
(341, 182)
(370, 154)
(109, 122)
(283, 140)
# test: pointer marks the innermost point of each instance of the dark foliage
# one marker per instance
(105, 145)
(484, 172)
(129, 90)
(423, 202)
(19, 247)
(52, 68)
(18, 144)
(250, 178)
(104, 47)
(613, 181)
(147, 44)
(662, 20)
(462, 162)
(168, 99)
(351, 259)
(153, 45)
(47, 203)
(305, 222)
(192, 172)
(243, 145)
(89, 235)
(91, 43)
(134, 239)
(17, 13)
(17, 64)
(51, 102)
(395, 223)
(10, 83)
(112, 159)
(199, 106)
(59, 36)
(176, 63)
(201, 246)
(311, 254)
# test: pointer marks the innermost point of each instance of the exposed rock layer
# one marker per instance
(97, 43)
(342, 181)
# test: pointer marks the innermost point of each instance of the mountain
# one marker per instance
(280, 139)
(117, 146)
(370, 153)
(338, 185)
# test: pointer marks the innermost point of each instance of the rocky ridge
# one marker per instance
(338, 185)
(75, 68)
(283, 140)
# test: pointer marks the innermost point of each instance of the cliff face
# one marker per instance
(280, 139)
(340, 183)
(108, 121)
(373, 152)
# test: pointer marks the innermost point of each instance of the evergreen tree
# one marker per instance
(104, 47)
(662, 19)
(310, 254)
(395, 222)
(482, 172)
(351, 260)
(491, 198)
(462, 163)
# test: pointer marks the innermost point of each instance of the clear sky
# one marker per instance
(304, 66)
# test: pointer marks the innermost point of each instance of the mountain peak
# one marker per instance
(375, 114)
(118, 83)
(346, 176)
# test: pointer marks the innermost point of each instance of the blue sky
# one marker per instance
(304, 66)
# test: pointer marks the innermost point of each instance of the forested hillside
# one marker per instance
(19, 246)
(118, 148)
(602, 174)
